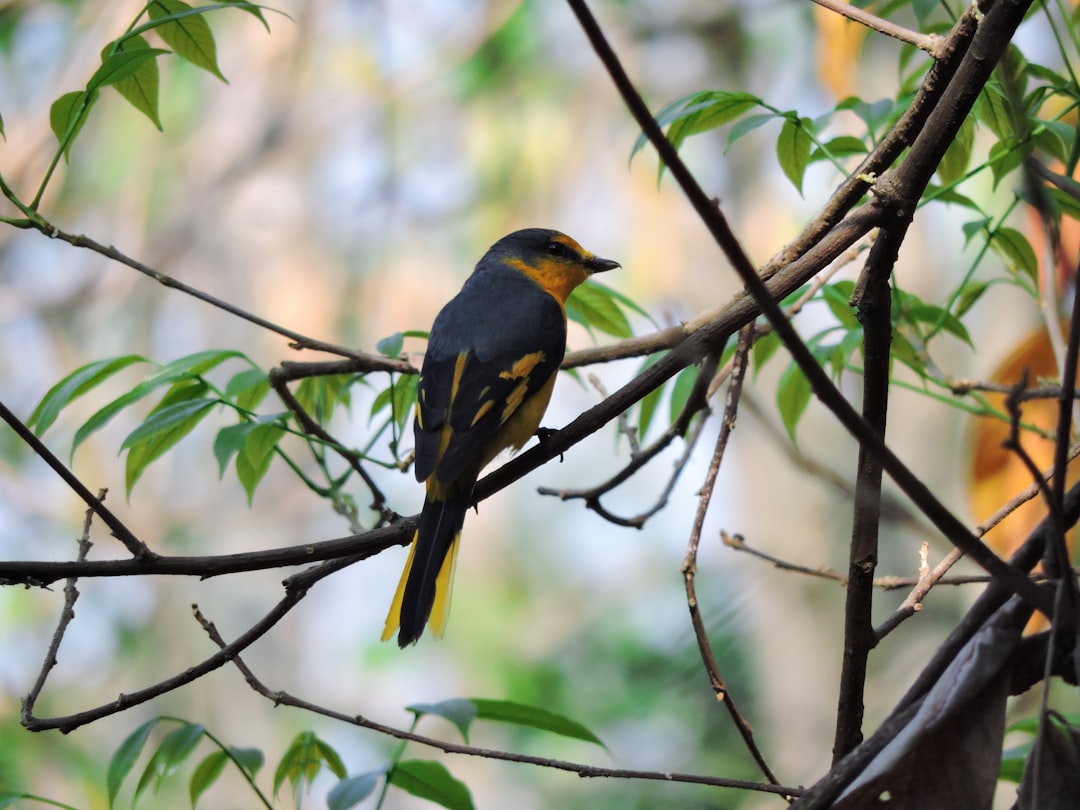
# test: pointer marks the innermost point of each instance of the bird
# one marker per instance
(493, 354)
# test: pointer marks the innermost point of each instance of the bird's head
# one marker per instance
(552, 259)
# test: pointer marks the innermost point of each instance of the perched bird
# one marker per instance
(492, 358)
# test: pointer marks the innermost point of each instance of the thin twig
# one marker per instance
(683, 426)
(894, 189)
(689, 566)
(281, 698)
(67, 614)
(871, 301)
(931, 43)
(296, 588)
(139, 550)
(298, 341)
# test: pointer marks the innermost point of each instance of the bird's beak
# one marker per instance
(597, 265)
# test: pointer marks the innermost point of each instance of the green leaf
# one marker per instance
(1054, 137)
(459, 711)
(391, 346)
(971, 293)
(300, 763)
(793, 148)
(973, 228)
(681, 388)
(187, 32)
(505, 711)
(651, 400)
(352, 790)
(104, 415)
(199, 362)
(256, 454)
(250, 759)
(939, 318)
(593, 305)
(838, 148)
(902, 350)
(248, 388)
(764, 348)
(957, 157)
(431, 781)
(745, 126)
(228, 442)
(2, 133)
(331, 758)
(698, 112)
(252, 9)
(74, 386)
(206, 773)
(8, 799)
(120, 65)
(992, 108)
(1017, 252)
(161, 430)
(838, 297)
(141, 88)
(174, 749)
(318, 396)
(124, 758)
(68, 114)
(1013, 761)
(792, 396)
(1005, 157)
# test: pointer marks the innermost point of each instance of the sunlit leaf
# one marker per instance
(187, 32)
(248, 388)
(160, 432)
(592, 305)
(141, 88)
(256, 453)
(68, 114)
(120, 65)
(698, 112)
(73, 386)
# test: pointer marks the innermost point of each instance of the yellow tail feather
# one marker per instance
(393, 618)
(444, 587)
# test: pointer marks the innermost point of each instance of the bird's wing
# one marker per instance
(477, 373)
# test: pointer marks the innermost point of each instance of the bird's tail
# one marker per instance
(426, 582)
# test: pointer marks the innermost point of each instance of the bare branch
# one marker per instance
(281, 698)
(899, 188)
(931, 43)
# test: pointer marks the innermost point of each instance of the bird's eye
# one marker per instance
(557, 249)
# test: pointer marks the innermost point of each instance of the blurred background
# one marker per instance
(360, 159)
